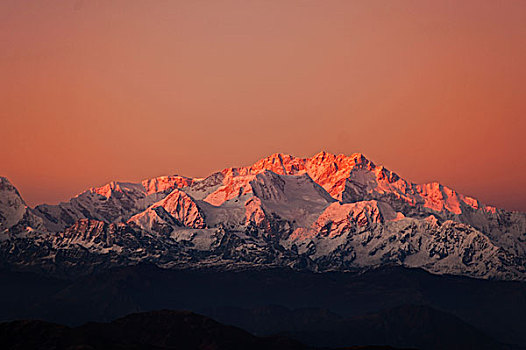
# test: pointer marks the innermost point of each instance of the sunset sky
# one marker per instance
(93, 91)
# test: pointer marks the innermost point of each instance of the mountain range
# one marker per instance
(323, 213)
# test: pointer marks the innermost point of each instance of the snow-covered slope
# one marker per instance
(327, 212)
(12, 206)
(175, 210)
(15, 217)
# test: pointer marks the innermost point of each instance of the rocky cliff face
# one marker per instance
(327, 212)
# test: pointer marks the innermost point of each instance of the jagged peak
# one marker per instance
(165, 183)
(322, 155)
(280, 156)
(341, 160)
(181, 207)
(280, 163)
(359, 157)
(286, 164)
(115, 186)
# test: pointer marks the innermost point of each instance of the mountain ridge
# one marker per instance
(326, 212)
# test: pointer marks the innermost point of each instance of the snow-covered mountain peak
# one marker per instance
(182, 208)
(12, 206)
(177, 209)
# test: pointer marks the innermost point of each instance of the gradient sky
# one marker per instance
(93, 91)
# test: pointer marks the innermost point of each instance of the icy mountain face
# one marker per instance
(176, 210)
(327, 212)
(15, 217)
(12, 206)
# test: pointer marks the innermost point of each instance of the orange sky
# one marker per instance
(92, 91)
